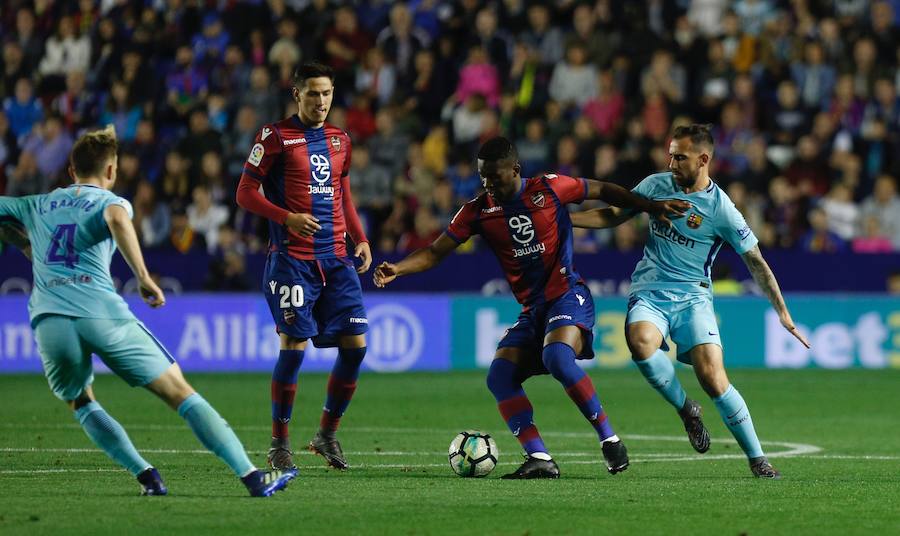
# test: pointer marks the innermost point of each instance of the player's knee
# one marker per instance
(499, 376)
(556, 356)
(642, 344)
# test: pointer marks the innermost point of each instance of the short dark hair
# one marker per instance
(498, 148)
(698, 133)
(312, 69)
(93, 151)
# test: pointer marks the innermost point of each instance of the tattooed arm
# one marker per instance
(764, 277)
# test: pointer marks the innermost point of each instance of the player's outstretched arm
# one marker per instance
(417, 261)
(122, 230)
(615, 195)
(12, 232)
(601, 218)
(764, 277)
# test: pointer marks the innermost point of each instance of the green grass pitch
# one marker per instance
(834, 435)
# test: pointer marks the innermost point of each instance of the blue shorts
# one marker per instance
(318, 299)
(125, 346)
(688, 317)
(574, 308)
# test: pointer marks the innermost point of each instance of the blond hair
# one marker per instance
(93, 152)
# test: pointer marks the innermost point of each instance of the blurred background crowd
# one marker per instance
(803, 96)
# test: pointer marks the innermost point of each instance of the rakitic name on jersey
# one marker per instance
(537, 248)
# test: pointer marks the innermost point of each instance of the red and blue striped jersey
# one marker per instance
(531, 235)
(303, 170)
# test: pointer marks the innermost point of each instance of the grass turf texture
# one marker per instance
(396, 435)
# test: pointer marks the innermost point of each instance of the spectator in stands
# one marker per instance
(574, 81)
(884, 206)
(814, 77)
(66, 51)
(872, 239)
(372, 188)
(120, 110)
(23, 110)
(478, 76)
(13, 66)
(26, 35)
(209, 46)
(376, 77)
(26, 178)
(182, 237)
(607, 108)
(401, 40)
(151, 216)
(50, 144)
(820, 239)
(542, 36)
(205, 216)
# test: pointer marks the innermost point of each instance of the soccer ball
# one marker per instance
(473, 454)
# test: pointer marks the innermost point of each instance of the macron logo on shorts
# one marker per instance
(359, 320)
(580, 299)
(559, 317)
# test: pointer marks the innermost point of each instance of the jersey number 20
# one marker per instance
(62, 246)
(291, 296)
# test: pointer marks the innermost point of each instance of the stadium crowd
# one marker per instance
(803, 95)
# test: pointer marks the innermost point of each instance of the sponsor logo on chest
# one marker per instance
(320, 171)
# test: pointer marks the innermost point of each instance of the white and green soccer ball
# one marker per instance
(473, 454)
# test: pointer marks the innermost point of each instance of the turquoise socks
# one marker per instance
(736, 416)
(215, 434)
(109, 435)
(660, 374)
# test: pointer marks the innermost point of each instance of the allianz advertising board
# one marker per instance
(235, 332)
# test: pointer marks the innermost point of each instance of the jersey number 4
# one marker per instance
(62, 246)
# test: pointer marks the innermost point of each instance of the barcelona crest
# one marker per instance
(336, 143)
(694, 221)
(538, 199)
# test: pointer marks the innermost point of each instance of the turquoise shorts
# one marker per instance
(688, 318)
(125, 346)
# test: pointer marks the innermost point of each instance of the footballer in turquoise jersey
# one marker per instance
(70, 235)
(671, 290)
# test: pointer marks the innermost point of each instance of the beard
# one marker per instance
(686, 181)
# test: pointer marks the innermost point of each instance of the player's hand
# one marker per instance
(385, 273)
(303, 224)
(364, 253)
(788, 324)
(151, 293)
(663, 210)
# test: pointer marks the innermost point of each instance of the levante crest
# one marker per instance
(538, 199)
(694, 220)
